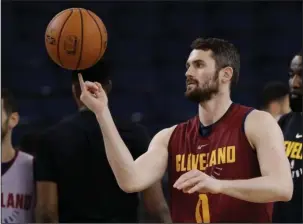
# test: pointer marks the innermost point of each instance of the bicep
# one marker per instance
(267, 138)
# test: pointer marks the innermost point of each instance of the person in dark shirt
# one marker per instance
(74, 180)
(291, 125)
(275, 99)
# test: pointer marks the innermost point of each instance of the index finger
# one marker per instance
(81, 82)
(181, 180)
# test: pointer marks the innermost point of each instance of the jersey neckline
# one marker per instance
(205, 131)
(9, 164)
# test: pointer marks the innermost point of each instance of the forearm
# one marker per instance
(155, 203)
(45, 216)
(258, 190)
(162, 214)
(118, 155)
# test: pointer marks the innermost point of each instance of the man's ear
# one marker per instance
(13, 120)
(227, 74)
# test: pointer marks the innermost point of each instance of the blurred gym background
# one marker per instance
(148, 47)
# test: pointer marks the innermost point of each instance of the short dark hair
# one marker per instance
(273, 91)
(97, 73)
(224, 53)
(9, 102)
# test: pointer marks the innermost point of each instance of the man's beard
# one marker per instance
(296, 103)
(204, 93)
(4, 130)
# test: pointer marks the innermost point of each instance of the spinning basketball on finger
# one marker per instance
(74, 181)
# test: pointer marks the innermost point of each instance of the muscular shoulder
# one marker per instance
(166, 132)
(259, 123)
(258, 117)
(164, 135)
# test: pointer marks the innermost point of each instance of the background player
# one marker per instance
(275, 99)
(17, 195)
(74, 181)
(252, 162)
(291, 125)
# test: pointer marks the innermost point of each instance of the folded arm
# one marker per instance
(276, 184)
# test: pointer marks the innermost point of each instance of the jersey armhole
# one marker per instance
(243, 127)
(283, 120)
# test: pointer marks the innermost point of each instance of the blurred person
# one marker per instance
(17, 195)
(227, 164)
(28, 141)
(275, 99)
(74, 180)
(291, 125)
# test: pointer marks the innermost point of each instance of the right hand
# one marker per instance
(93, 95)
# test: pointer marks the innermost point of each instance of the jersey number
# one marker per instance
(202, 209)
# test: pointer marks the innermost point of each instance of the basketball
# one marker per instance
(76, 39)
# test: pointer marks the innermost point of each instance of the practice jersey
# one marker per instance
(291, 125)
(17, 196)
(225, 154)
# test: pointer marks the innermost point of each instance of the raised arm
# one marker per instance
(132, 176)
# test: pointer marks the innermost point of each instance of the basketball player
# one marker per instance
(291, 125)
(227, 164)
(75, 183)
(275, 99)
(17, 195)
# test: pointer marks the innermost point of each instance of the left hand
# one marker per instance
(197, 181)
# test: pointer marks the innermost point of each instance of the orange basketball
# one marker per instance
(76, 39)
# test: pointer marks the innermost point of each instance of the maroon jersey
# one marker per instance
(224, 154)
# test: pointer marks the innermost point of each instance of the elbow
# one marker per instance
(285, 196)
(128, 188)
(286, 191)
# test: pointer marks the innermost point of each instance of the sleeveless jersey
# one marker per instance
(224, 154)
(291, 125)
(17, 195)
